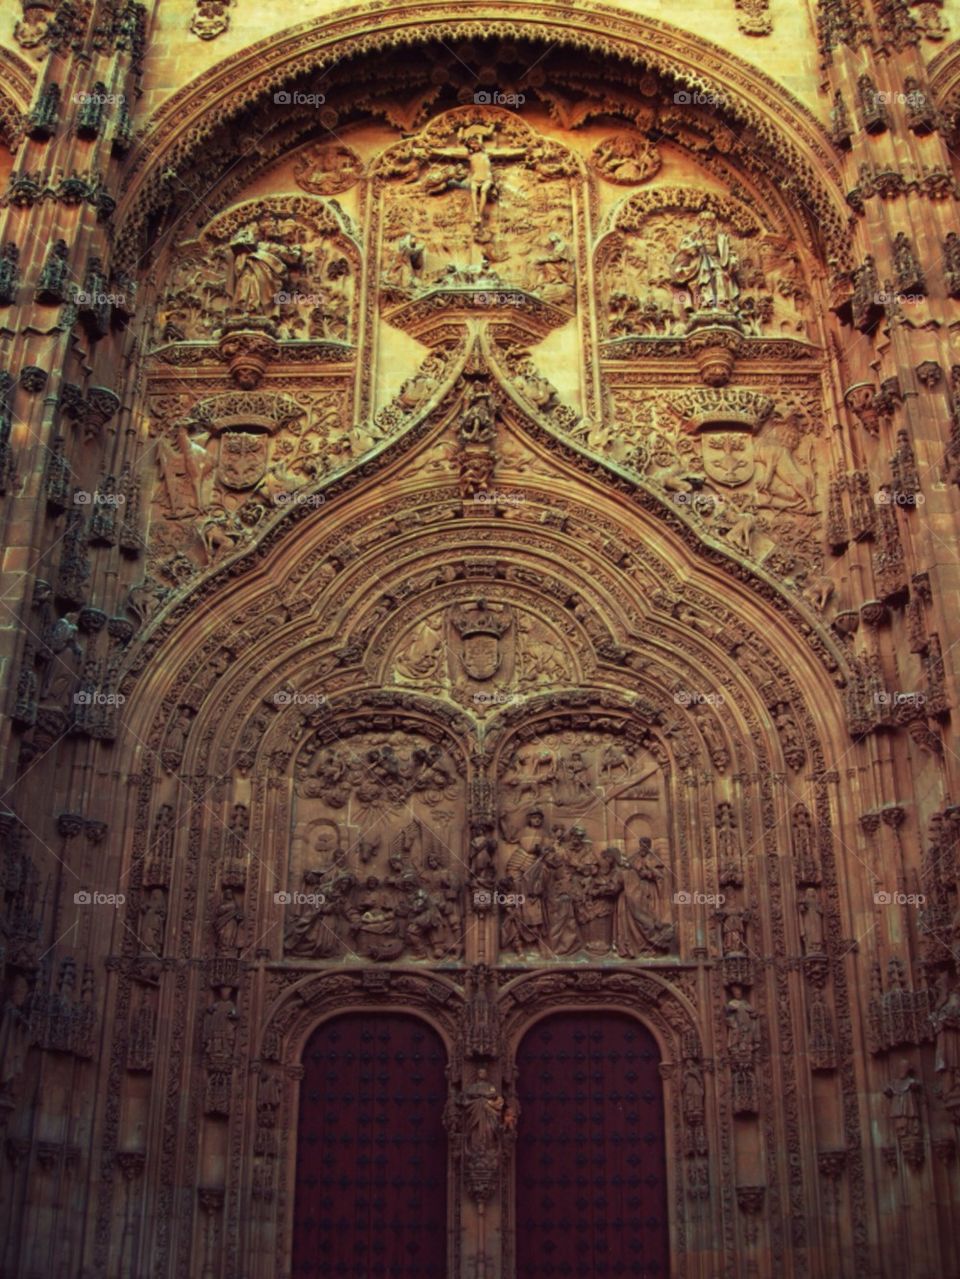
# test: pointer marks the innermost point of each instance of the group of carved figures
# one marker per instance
(407, 910)
(561, 896)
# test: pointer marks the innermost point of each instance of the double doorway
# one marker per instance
(584, 1175)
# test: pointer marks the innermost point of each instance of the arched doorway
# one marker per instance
(591, 1164)
(371, 1189)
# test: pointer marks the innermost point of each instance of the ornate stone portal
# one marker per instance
(483, 561)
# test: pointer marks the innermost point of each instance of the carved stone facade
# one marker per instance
(479, 495)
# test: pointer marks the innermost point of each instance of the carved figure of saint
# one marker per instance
(639, 926)
(482, 1115)
(734, 929)
(811, 923)
(904, 1093)
(693, 1093)
(705, 266)
(445, 896)
(743, 1025)
(153, 919)
(483, 847)
(560, 891)
(220, 1028)
(522, 925)
(946, 1024)
(227, 922)
(61, 655)
(258, 272)
(553, 269)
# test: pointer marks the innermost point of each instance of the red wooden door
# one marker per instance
(371, 1194)
(591, 1194)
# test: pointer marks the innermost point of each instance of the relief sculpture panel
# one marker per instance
(679, 258)
(585, 853)
(477, 201)
(376, 866)
(291, 262)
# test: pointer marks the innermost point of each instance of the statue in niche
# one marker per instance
(227, 923)
(905, 1092)
(743, 1025)
(807, 871)
(693, 1092)
(153, 921)
(235, 843)
(705, 267)
(14, 1036)
(733, 929)
(483, 1115)
(743, 1042)
(220, 1029)
(483, 848)
(729, 855)
(259, 270)
(811, 923)
(60, 656)
(712, 735)
(639, 925)
(946, 1026)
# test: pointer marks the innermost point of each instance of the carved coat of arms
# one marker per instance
(482, 637)
(243, 459)
(728, 457)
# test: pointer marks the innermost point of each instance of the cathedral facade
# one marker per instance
(480, 636)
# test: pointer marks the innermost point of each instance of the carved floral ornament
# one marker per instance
(805, 160)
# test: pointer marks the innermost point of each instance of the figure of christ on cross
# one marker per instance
(479, 158)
